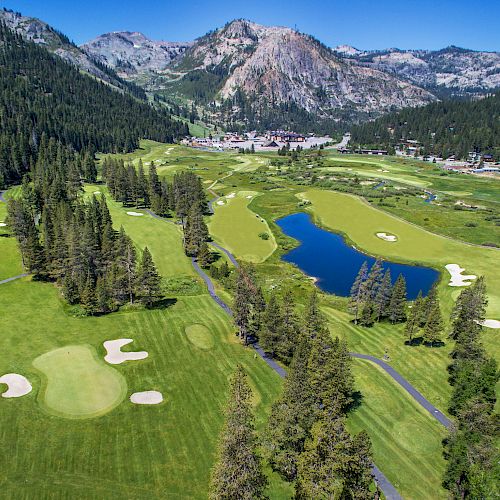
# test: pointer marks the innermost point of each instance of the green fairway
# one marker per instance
(200, 336)
(406, 439)
(237, 228)
(359, 221)
(78, 384)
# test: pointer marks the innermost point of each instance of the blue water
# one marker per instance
(326, 256)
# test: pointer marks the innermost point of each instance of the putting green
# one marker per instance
(78, 384)
(200, 336)
(360, 221)
(237, 228)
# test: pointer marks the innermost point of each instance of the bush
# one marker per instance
(264, 236)
(470, 224)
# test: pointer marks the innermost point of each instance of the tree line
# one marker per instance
(375, 298)
(306, 440)
(40, 94)
(442, 128)
(184, 197)
(471, 448)
(72, 242)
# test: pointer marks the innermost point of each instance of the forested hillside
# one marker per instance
(42, 95)
(444, 128)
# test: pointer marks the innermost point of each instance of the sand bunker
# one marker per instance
(2, 224)
(232, 195)
(489, 323)
(116, 356)
(249, 197)
(220, 202)
(135, 214)
(387, 237)
(17, 385)
(147, 398)
(97, 192)
(457, 279)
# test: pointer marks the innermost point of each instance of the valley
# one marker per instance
(250, 264)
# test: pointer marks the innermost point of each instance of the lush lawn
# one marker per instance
(77, 383)
(406, 439)
(133, 451)
(237, 228)
(359, 221)
(10, 258)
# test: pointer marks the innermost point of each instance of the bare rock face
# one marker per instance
(280, 65)
(132, 53)
(452, 68)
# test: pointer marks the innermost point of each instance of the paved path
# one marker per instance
(384, 484)
(2, 199)
(13, 278)
(439, 416)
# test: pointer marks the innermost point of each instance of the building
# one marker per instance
(283, 136)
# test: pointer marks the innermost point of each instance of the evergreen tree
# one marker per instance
(270, 333)
(357, 292)
(292, 416)
(237, 473)
(148, 279)
(383, 297)
(397, 305)
(412, 326)
(433, 328)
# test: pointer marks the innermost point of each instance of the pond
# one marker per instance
(335, 264)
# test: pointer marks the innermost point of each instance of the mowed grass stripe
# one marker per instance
(406, 440)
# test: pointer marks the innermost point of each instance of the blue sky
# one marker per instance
(377, 24)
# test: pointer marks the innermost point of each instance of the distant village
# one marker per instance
(275, 140)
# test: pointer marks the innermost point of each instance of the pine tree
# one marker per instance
(292, 416)
(433, 328)
(204, 255)
(269, 335)
(397, 305)
(237, 473)
(334, 465)
(412, 326)
(357, 291)
(148, 279)
(383, 297)
(314, 321)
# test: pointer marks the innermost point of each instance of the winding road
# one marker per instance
(383, 483)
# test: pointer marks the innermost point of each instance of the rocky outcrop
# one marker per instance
(132, 53)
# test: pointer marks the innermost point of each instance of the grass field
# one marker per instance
(406, 439)
(359, 221)
(77, 383)
(133, 451)
(237, 228)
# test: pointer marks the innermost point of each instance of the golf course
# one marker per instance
(82, 428)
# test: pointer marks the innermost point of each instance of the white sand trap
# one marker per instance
(147, 398)
(97, 192)
(17, 385)
(386, 171)
(2, 224)
(115, 356)
(232, 195)
(135, 214)
(387, 237)
(220, 202)
(457, 279)
(489, 323)
(249, 197)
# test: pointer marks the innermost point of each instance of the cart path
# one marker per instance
(7, 280)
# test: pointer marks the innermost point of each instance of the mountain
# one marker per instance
(40, 33)
(453, 69)
(131, 53)
(443, 128)
(44, 98)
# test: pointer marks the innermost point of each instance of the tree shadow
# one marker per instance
(162, 303)
(357, 401)
(440, 343)
(415, 341)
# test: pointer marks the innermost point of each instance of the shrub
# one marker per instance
(264, 236)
